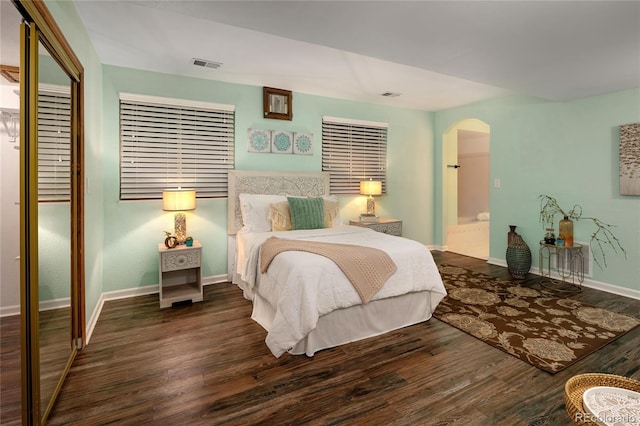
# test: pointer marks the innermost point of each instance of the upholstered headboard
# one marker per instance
(271, 183)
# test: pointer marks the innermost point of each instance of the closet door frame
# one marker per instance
(39, 27)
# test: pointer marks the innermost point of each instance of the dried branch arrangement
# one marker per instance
(601, 237)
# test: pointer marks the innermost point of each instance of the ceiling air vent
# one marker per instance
(390, 94)
(205, 63)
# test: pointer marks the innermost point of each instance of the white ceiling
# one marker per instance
(437, 54)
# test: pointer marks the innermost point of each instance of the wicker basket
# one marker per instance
(577, 385)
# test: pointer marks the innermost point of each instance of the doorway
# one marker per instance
(466, 190)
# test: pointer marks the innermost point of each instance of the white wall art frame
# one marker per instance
(259, 140)
(303, 143)
(630, 159)
(281, 142)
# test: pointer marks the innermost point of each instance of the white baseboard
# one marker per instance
(596, 285)
(153, 289)
(130, 292)
(610, 288)
(47, 305)
(498, 262)
(7, 311)
(93, 320)
(215, 279)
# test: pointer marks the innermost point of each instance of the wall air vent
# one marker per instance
(390, 94)
(206, 63)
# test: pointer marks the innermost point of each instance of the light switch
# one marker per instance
(496, 183)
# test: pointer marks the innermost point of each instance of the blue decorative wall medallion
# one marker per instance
(281, 142)
(259, 140)
(303, 143)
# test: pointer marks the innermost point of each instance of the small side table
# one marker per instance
(180, 274)
(385, 225)
(569, 266)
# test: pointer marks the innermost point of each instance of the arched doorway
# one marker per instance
(466, 188)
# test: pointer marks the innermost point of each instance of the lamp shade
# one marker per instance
(370, 187)
(178, 199)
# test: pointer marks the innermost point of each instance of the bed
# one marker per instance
(303, 300)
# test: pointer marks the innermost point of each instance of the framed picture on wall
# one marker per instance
(277, 103)
(303, 143)
(281, 142)
(630, 159)
(259, 140)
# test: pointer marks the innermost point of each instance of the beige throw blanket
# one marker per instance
(367, 268)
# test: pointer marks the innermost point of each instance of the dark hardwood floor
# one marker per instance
(10, 405)
(207, 364)
(55, 351)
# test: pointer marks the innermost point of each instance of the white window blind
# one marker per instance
(169, 143)
(353, 151)
(54, 144)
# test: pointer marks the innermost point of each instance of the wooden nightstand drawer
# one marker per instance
(384, 225)
(394, 228)
(181, 259)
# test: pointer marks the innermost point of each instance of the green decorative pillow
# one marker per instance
(306, 213)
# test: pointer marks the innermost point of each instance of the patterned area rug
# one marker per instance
(533, 325)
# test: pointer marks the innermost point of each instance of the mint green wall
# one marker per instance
(69, 22)
(133, 229)
(49, 71)
(568, 150)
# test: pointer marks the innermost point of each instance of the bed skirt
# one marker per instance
(355, 323)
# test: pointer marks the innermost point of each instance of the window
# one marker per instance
(54, 143)
(353, 151)
(170, 143)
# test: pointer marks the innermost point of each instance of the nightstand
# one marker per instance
(385, 225)
(180, 274)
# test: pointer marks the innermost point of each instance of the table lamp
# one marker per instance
(371, 188)
(179, 200)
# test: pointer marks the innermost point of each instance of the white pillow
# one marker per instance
(255, 211)
(337, 220)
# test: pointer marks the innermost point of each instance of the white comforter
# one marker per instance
(301, 287)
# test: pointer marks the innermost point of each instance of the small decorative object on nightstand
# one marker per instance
(383, 224)
(180, 274)
(170, 241)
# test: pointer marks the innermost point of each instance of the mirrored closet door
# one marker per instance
(54, 222)
(51, 209)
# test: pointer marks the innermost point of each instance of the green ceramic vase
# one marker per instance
(518, 255)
